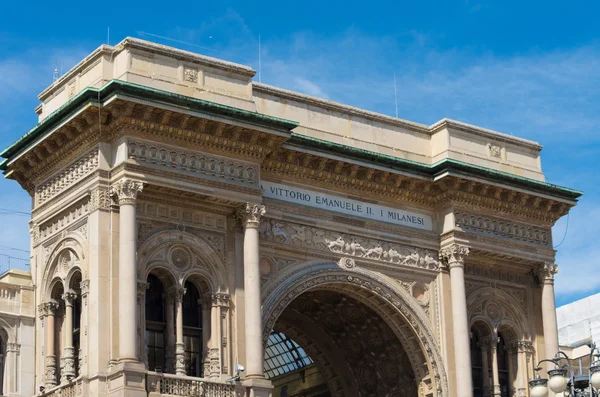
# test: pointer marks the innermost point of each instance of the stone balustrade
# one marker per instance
(64, 390)
(160, 385)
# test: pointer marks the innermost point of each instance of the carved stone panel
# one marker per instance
(502, 228)
(346, 244)
(202, 164)
(72, 174)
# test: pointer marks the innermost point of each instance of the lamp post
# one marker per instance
(562, 379)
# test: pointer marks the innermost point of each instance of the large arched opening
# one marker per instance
(343, 331)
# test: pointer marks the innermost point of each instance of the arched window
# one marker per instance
(192, 330)
(57, 295)
(155, 324)
(503, 375)
(476, 365)
(76, 287)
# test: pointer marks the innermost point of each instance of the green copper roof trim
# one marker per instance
(433, 169)
(92, 95)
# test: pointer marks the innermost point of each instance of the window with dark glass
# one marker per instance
(192, 330)
(476, 366)
(77, 330)
(155, 324)
(503, 367)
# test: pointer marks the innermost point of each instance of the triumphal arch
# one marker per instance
(187, 221)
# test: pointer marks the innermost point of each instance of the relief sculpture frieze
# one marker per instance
(347, 244)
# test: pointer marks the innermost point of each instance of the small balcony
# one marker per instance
(161, 385)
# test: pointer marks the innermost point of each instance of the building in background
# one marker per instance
(17, 334)
(187, 219)
(578, 327)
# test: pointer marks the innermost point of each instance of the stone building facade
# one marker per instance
(17, 334)
(182, 212)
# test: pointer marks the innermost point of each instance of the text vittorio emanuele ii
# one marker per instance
(347, 206)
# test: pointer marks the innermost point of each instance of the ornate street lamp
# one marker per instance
(563, 381)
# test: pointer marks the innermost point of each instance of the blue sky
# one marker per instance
(531, 69)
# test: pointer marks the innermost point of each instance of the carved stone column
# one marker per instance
(522, 367)
(207, 334)
(484, 345)
(11, 368)
(141, 326)
(126, 191)
(495, 373)
(50, 361)
(67, 361)
(170, 320)
(546, 274)
(83, 340)
(250, 215)
(511, 356)
(453, 258)
(179, 346)
(220, 308)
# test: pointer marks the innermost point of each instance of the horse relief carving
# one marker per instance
(311, 237)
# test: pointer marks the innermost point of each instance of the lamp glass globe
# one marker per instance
(557, 383)
(596, 380)
(539, 391)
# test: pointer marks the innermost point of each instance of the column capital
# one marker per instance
(126, 191)
(220, 300)
(69, 297)
(546, 272)
(13, 347)
(453, 255)
(141, 290)
(250, 214)
(50, 307)
(525, 346)
(178, 293)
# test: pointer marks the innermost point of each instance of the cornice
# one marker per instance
(336, 106)
(484, 132)
(96, 96)
(171, 52)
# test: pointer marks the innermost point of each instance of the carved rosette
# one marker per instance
(126, 191)
(250, 214)
(179, 359)
(546, 273)
(67, 365)
(50, 373)
(453, 255)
